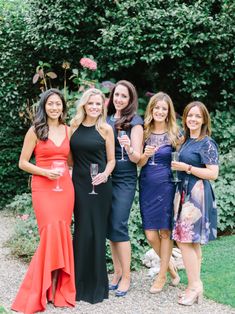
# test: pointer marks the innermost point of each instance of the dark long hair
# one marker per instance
(206, 126)
(127, 113)
(40, 125)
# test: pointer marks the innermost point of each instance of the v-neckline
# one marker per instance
(62, 140)
(55, 143)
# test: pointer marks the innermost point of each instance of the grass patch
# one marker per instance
(218, 270)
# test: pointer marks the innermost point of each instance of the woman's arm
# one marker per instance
(70, 156)
(110, 153)
(209, 173)
(149, 151)
(30, 142)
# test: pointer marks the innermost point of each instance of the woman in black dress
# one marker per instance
(122, 108)
(92, 142)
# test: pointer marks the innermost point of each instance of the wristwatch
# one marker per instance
(189, 169)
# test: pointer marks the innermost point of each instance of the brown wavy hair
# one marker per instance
(206, 126)
(127, 113)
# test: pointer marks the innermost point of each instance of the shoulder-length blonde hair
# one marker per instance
(81, 113)
(206, 125)
(172, 128)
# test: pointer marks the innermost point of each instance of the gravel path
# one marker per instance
(137, 301)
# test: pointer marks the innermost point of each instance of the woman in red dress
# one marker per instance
(50, 277)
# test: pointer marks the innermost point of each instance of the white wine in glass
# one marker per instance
(58, 165)
(154, 141)
(175, 157)
(93, 172)
(120, 134)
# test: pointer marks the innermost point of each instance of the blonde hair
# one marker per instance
(172, 128)
(81, 113)
(206, 126)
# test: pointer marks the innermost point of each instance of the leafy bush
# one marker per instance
(15, 85)
(224, 189)
(182, 47)
(25, 239)
(223, 127)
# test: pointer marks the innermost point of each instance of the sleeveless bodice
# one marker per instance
(46, 151)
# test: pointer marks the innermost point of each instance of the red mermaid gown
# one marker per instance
(53, 211)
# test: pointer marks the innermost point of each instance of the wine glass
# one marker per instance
(58, 165)
(154, 141)
(175, 157)
(120, 134)
(93, 172)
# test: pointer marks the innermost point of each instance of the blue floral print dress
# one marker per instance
(195, 213)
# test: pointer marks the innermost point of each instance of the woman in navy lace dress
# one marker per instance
(196, 216)
(156, 187)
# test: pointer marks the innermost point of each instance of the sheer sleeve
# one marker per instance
(209, 152)
(137, 120)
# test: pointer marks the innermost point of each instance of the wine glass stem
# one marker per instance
(93, 188)
(176, 174)
(57, 184)
(122, 153)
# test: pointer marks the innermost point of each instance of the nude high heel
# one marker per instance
(158, 285)
(176, 280)
(190, 297)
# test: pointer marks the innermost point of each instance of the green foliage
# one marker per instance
(223, 127)
(14, 67)
(224, 189)
(25, 239)
(3, 310)
(218, 273)
(184, 48)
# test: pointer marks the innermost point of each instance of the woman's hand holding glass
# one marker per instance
(59, 167)
(149, 151)
(124, 141)
(100, 178)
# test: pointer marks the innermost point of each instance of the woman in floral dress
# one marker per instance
(195, 213)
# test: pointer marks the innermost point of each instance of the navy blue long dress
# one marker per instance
(156, 187)
(124, 179)
(195, 219)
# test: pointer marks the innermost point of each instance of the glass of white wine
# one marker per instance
(175, 157)
(120, 134)
(93, 172)
(58, 165)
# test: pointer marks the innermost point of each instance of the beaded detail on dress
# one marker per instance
(163, 139)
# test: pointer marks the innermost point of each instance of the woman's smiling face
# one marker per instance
(121, 97)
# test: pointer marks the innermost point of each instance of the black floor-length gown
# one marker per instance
(90, 215)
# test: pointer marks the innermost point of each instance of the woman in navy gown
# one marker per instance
(196, 216)
(156, 187)
(122, 115)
